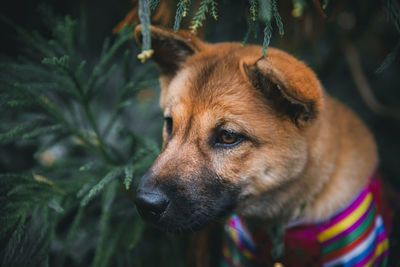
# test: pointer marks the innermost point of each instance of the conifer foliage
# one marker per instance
(73, 207)
(261, 12)
(75, 111)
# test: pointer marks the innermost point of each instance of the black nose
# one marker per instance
(151, 204)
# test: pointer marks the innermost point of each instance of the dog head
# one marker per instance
(234, 130)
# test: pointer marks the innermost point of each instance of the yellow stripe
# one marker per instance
(248, 254)
(347, 222)
(227, 252)
(234, 236)
(382, 247)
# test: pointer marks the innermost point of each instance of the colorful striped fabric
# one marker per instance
(354, 236)
(242, 249)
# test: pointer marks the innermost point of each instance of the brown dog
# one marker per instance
(247, 134)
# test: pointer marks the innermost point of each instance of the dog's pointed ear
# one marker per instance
(290, 87)
(171, 49)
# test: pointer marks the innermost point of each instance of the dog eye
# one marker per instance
(168, 125)
(228, 138)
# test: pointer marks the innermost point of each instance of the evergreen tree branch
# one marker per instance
(181, 12)
(144, 17)
(200, 15)
(98, 139)
(278, 19)
(54, 92)
(101, 258)
(363, 86)
(113, 174)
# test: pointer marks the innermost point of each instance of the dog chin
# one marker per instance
(182, 228)
(190, 209)
(181, 224)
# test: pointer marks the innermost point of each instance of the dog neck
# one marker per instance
(341, 157)
(360, 221)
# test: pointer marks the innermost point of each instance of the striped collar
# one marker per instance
(353, 236)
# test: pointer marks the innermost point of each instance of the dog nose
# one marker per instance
(151, 204)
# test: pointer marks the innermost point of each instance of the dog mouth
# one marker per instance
(178, 220)
(191, 214)
(179, 205)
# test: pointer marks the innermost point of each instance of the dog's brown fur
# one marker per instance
(304, 148)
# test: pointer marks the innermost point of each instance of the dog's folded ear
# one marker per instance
(170, 48)
(290, 87)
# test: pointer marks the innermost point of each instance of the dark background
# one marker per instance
(319, 42)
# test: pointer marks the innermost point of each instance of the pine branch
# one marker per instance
(71, 235)
(200, 15)
(389, 59)
(267, 38)
(251, 21)
(53, 93)
(253, 9)
(101, 258)
(393, 15)
(17, 131)
(181, 12)
(278, 19)
(34, 40)
(107, 54)
(144, 17)
(113, 174)
(98, 140)
(129, 172)
(154, 3)
(265, 15)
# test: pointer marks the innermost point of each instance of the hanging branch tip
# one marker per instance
(145, 55)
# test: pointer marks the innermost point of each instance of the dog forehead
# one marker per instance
(206, 81)
(176, 91)
(209, 93)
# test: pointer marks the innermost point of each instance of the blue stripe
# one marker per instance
(380, 229)
(362, 255)
(248, 244)
(243, 234)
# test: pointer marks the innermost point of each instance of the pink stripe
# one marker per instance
(228, 261)
(365, 260)
(234, 224)
(241, 245)
(227, 258)
(379, 240)
(351, 228)
(344, 213)
(382, 236)
(379, 259)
